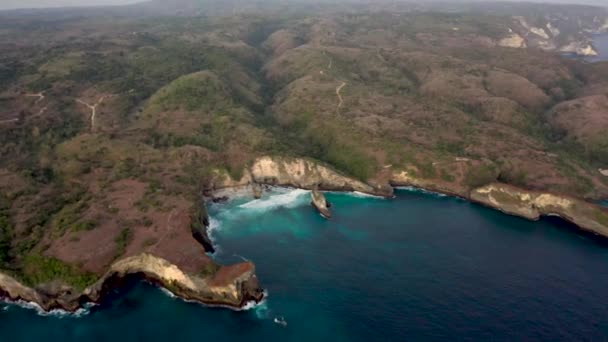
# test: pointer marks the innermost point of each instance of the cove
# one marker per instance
(420, 266)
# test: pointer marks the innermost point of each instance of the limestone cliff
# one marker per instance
(532, 205)
(565, 34)
(231, 286)
(300, 173)
(518, 202)
(405, 178)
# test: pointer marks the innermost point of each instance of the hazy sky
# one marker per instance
(11, 4)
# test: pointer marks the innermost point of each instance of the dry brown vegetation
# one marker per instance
(428, 93)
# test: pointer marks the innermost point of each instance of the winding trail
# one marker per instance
(40, 96)
(168, 229)
(40, 112)
(93, 109)
(340, 99)
(8, 121)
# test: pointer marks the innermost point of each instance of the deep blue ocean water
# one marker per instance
(420, 267)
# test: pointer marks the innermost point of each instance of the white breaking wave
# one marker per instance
(54, 313)
(260, 307)
(167, 292)
(363, 195)
(214, 226)
(241, 257)
(419, 190)
(290, 199)
(251, 305)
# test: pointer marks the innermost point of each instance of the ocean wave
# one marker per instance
(289, 199)
(251, 305)
(214, 226)
(167, 292)
(58, 313)
(420, 190)
(363, 195)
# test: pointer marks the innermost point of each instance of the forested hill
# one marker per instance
(113, 121)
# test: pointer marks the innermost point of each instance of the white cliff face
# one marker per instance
(522, 21)
(573, 33)
(554, 30)
(581, 49)
(532, 205)
(15, 290)
(297, 172)
(539, 32)
(513, 41)
(156, 267)
(220, 288)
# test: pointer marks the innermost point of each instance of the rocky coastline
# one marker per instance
(235, 286)
(528, 204)
(231, 286)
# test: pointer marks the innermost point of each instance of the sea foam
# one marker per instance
(289, 199)
(419, 190)
(53, 313)
(251, 305)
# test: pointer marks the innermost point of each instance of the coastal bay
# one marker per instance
(419, 266)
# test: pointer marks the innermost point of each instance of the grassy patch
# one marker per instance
(67, 218)
(122, 241)
(38, 269)
(209, 269)
(602, 217)
(480, 176)
(199, 91)
(6, 230)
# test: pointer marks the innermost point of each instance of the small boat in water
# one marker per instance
(280, 321)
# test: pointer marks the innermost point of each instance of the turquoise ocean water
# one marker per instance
(419, 267)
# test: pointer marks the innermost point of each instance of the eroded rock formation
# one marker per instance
(320, 203)
(231, 286)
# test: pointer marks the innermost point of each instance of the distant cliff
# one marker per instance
(556, 32)
(300, 173)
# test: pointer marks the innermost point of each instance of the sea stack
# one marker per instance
(320, 203)
(257, 190)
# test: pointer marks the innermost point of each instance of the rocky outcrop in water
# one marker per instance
(231, 286)
(320, 203)
(257, 190)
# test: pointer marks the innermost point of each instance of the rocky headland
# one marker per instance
(532, 205)
(234, 286)
(229, 286)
